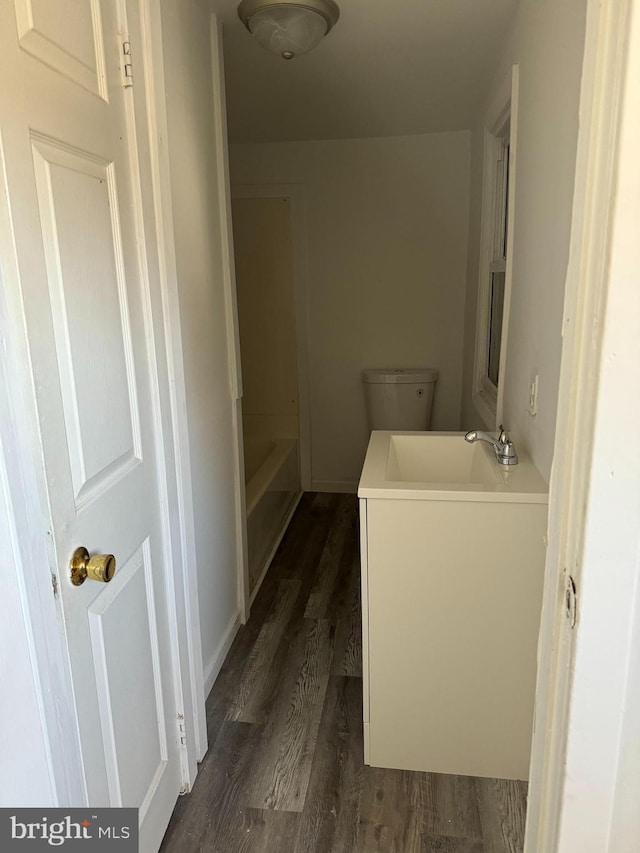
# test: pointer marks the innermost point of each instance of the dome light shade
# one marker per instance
(288, 29)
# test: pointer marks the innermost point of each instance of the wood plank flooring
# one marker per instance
(284, 772)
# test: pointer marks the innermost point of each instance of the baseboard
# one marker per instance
(342, 486)
(213, 667)
(276, 543)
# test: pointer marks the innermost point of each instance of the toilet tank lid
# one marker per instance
(400, 374)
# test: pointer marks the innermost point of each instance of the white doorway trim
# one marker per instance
(582, 671)
(487, 398)
(296, 195)
(189, 663)
(231, 310)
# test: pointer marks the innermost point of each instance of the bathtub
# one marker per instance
(272, 478)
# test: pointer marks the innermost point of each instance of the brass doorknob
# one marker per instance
(100, 567)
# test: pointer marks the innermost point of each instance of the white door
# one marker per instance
(68, 156)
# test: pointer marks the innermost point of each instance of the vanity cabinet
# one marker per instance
(451, 598)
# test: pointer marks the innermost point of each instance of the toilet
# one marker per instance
(400, 398)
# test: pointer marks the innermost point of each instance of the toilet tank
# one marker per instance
(399, 398)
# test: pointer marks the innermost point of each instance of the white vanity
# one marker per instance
(452, 571)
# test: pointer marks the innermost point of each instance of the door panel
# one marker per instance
(67, 36)
(135, 751)
(82, 240)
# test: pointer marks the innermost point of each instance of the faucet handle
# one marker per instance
(503, 435)
(508, 455)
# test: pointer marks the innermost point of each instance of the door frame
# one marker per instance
(577, 734)
(28, 543)
(231, 312)
(190, 687)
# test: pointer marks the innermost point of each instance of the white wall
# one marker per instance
(195, 194)
(387, 242)
(547, 42)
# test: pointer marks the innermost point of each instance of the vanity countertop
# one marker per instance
(443, 466)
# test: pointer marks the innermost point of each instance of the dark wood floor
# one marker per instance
(284, 771)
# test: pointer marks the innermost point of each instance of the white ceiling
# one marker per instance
(388, 68)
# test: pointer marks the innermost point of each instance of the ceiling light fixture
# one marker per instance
(288, 29)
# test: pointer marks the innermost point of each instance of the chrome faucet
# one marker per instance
(503, 446)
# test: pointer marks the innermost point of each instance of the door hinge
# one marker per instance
(182, 730)
(54, 584)
(127, 67)
(570, 601)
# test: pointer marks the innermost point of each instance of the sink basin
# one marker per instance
(445, 459)
(443, 466)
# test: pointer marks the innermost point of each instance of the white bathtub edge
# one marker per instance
(259, 483)
(214, 665)
(276, 544)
